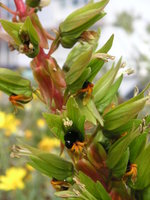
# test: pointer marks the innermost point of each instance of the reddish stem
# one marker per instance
(21, 7)
(31, 11)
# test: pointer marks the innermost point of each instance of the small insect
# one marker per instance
(60, 185)
(87, 89)
(73, 142)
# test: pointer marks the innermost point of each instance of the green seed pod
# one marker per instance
(29, 39)
(79, 21)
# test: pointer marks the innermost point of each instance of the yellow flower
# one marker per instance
(13, 179)
(2, 119)
(8, 123)
(41, 123)
(28, 134)
(48, 143)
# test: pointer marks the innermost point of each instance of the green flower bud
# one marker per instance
(29, 39)
(79, 21)
(37, 3)
(24, 35)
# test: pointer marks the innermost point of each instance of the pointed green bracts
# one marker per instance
(79, 21)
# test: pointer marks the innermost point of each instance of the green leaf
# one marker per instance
(12, 29)
(87, 113)
(75, 115)
(78, 66)
(118, 149)
(55, 124)
(12, 83)
(67, 194)
(74, 54)
(120, 169)
(137, 146)
(133, 123)
(110, 95)
(90, 112)
(104, 83)
(143, 170)
(92, 108)
(96, 189)
(50, 164)
(96, 64)
(143, 194)
(77, 85)
(81, 16)
(48, 170)
(121, 114)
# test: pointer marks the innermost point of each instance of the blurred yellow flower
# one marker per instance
(48, 143)
(41, 123)
(35, 96)
(2, 119)
(29, 167)
(9, 123)
(13, 179)
(28, 134)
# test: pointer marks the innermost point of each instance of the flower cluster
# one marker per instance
(107, 142)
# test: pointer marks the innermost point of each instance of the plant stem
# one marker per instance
(8, 9)
(21, 7)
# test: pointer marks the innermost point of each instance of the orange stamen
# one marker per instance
(58, 185)
(16, 100)
(124, 134)
(132, 172)
(88, 89)
(78, 147)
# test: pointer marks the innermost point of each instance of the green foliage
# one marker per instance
(118, 149)
(123, 113)
(12, 29)
(78, 66)
(55, 124)
(23, 34)
(32, 3)
(28, 30)
(50, 164)
(76, 116)
(103, 85)
(12, 83)
(86, 189)
(137, 146)
(143, 171)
